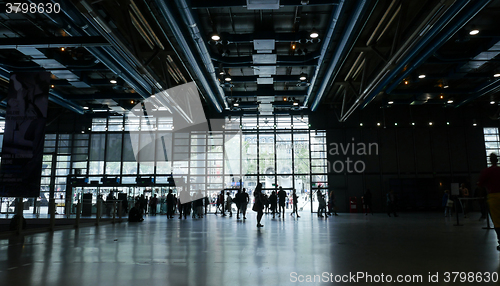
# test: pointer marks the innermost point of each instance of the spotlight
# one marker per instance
(314, 34)
(303, 76)
(214, 36)
(447, 123)
(395, 124)
(227, 77)
(293, 46)
(52, 86)
(406, 82)
(236, 104)
(378, 123)
(113, 81)
(430, 123)
(361, 124)
(441, 96)
(413, 123)
(474, 32)
(63, 49)
(295, 103)
(421, 76)
(86, 107)
(492, 102)
(285, 99)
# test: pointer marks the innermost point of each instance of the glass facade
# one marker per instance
(492, 142)
(274, 150)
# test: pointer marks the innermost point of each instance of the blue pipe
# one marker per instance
(480, 92)
(326, 43)
(478, 6)
(169, 16)
(333, 67)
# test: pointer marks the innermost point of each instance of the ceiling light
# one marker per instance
(413, 123)
(314, 34)
(447, 123)
(496, 75)
(492, 102)
(361, 124)
(63, 49)
(446, 86)
(390, 102)
(474, 124)
(295, 103)
(430, 123)
(100, 110)
(421, 76)
(395, 124)
(52, 86)
(236, 104)
(85, 107)
(474, 32)
(378, 123)
(293, 46)
(450, 101)
(285, 99)
(113, 81)
(214, 36)
(406, 82)
(441, 96)
(303, 76)
(227, 77)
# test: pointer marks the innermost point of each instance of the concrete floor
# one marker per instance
(223, 251)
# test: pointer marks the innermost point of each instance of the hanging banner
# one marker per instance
(22, 150)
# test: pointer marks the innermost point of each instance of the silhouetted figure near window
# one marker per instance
(245, 199)
(391, 203)
(273, 202)
(331, 201)
(110, 200)
(237, 200)
(135, 213)
(282, 202)
(153, 202)
(490, 179)
(322, 204)
(229, 202)
(184, 205)
(143, 203)
(295, 199)
(367, 200)
(220, 203)
(258, 206)
(170, 204)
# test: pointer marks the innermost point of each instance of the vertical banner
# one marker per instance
(22, 150)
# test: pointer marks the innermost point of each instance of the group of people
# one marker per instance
(241, 200)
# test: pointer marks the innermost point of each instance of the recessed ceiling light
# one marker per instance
(361, 124)
(447, 123)
(390, 102)
(395, 124)
(496, 75)
(492, 102)
(474, 124)
(303, 76)
(295, 103)
(227, 78)
(113, 81)
(450, 101)
(236, 104)
(378, 123)
(474, 32)
(85, 107)
(314, 34)
(52, 86)
(446, 86)
(215, 37)
(406, 82)
(421, 76)
(63, 49)
(430, 123)
(413, 123)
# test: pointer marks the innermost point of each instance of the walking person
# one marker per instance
(447, 203)
(295, 199)
(170, 204)
(153, 202)
(273, 201)
(237, 200)
(321, 204)
(490, 179)
(331, 200)
(367, 201)
(258, 206)
(391, 203)
(229, 202)
(282, 202)
(244, 200)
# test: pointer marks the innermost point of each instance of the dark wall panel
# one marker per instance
(440, 152)
(372, 162)
(423, 152)
(476, 150)
(388, 150)
(458, 150)
(406, 151)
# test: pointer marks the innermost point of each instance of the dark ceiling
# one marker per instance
(367, 53)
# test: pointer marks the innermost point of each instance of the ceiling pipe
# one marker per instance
(169, 14)
(418, 42)
(483, 90)
(338, 57)
(443, 38)
(326, 44)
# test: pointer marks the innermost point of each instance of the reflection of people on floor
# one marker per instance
(135, 214)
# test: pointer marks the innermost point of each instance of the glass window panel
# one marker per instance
(114, 147)
(147, 168)
(128, 180)
(128, 150)
(147, 147)
(113, 168)
(62, 172)
(129, 168)
(249, 166)
(97, 147)
(198, 164)
(96, 167)
(163, 146)
(197, 171)
(98, 124)
(163, 168)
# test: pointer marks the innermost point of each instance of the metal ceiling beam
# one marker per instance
(169, 14)
(285, 93)
(419, 44)
(203, 4)
(102, 95)
(300, 37)
(339, 55)
(276, 78)
(53, 42)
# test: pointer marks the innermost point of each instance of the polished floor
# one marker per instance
(223, 251)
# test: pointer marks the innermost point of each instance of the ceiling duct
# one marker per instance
(266, 105)
(263, 4)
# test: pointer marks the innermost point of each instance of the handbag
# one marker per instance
(449, 203)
